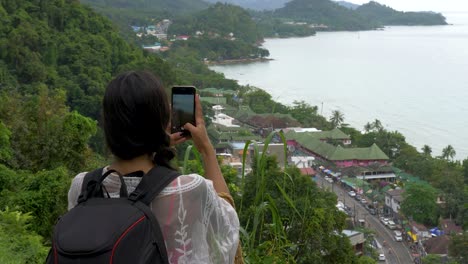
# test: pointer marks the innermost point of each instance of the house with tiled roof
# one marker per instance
(437, 246)
(332, 135)
(356, 239)
(313, 143)
(449, 227)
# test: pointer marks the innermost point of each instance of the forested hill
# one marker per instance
(325, 12)
(155, 6)
(348, 5)
(388, 16)
(219, 19)
(255, 4)
(65, 45)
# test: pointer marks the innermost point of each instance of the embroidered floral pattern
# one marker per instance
(181, 235)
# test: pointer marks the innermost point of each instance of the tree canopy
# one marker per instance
(419, 203)
(388, 16)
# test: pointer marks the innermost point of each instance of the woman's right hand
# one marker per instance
(198, 133)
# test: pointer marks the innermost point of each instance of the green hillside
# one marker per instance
(221, 19)
(388, 16)
(221, 32)
(64, 45)
(155, 6)
(325, 12)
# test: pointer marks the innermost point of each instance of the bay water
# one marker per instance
(413, 79)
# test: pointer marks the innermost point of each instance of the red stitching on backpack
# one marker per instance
(55, 255)
(122, 236)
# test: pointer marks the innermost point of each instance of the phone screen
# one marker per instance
(183, 108)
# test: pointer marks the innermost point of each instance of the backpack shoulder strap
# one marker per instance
(89, 180)
(153, 183)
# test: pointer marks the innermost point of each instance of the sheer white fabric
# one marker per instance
(198, 226)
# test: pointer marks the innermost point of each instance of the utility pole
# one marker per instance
(355, 213)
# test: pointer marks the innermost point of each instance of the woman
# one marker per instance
(196, 214)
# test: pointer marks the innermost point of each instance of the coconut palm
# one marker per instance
(368, 127)
(377, 125)
(336, 118)
(448, 152)
(426, 150)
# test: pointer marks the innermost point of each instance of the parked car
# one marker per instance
(357, 197)
(391, 224)
(351, 193)
(364, 201)
(398, 236)
(372, 211)
(381, 257)
(384, 220)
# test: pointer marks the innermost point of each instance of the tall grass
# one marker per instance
(277, 247)
(278, 243)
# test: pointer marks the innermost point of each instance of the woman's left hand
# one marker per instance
(177, 138)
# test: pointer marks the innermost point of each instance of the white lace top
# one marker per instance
(198, 226)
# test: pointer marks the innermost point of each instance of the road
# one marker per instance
(399, 253)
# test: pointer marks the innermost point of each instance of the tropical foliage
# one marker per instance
(18, 243)
(419, 203)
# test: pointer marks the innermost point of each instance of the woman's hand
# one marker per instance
(203, 145)
(177, 138)
(198, 133)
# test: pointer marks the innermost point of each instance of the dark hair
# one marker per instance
(136, 114)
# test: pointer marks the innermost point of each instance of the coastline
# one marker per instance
(237, 61)
(437, 136)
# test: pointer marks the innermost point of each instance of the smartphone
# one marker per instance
(183, 108)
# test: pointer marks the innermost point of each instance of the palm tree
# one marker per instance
(448, 152)
(336, 118)
(377, 125)
(426, 150)
(368, 127)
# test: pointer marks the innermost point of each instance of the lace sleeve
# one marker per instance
(75, 190)
(223, 229)
(198, 226)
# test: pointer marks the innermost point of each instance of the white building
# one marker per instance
(223, 119)
(393, 199)
(303, 161)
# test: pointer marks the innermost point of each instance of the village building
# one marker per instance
(152, 48)
(418, 232)
(393, 199)
(182, 37)
(449, 227)
(325, 147)
(357, 240)
(437, 246)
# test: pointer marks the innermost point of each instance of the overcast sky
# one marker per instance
(422, 5)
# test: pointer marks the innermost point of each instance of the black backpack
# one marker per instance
(117, 230)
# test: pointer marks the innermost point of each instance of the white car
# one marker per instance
(384, 220)
(381, 257)
(398, 237)
(391, 224)
(352, 193)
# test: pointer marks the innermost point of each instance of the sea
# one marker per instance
(413, 79)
